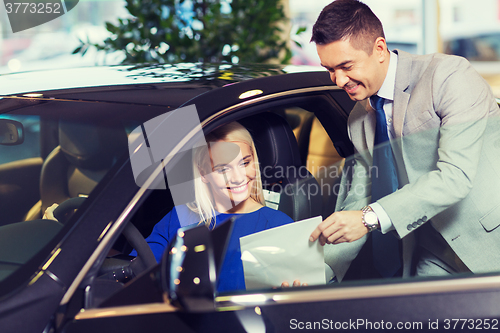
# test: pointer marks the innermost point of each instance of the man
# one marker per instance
(442, 120)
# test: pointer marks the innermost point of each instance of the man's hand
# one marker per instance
(296, 283)
(340, 227)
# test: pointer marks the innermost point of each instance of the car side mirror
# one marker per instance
(11, 132)
(188, 270)
(189, 266)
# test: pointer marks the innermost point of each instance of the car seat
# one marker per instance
(319, 155)
(84, 155)
(288, 185)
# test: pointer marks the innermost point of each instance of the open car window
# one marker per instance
(285, 178)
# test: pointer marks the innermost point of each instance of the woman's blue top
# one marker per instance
(231, 275)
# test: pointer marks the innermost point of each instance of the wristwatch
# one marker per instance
(370, 219)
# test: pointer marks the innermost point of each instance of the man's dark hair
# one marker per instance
(348, 20)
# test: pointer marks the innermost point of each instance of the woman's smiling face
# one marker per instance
(232, 175)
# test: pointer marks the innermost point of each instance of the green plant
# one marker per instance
(244, 31)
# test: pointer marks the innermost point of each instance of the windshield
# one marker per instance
(52, 151)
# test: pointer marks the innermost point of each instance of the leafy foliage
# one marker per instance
(167, 31)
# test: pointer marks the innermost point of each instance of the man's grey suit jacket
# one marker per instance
(447, 151)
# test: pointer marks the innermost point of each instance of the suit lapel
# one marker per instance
(368, 124)
(401, 97)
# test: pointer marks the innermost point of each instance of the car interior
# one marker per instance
(83, 156)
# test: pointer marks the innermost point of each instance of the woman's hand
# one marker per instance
(296, 283)
(49, 212)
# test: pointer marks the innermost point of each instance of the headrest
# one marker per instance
(276, 145)
(90, 146)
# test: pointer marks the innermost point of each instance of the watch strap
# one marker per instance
(369, 226)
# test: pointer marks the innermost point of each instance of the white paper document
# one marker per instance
(284, 253)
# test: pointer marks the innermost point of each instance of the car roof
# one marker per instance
(163, 85)
(214, 75)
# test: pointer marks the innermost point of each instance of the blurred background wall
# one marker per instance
(463, 27)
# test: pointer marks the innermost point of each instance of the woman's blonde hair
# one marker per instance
(204, 204)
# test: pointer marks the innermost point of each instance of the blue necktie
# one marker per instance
(386, 253)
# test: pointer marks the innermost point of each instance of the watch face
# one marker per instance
(371, 218)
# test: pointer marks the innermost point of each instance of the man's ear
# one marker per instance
(380, 48)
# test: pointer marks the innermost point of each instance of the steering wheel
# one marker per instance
(66, 207)
(145, 258)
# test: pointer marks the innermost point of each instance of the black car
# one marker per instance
(72, 137)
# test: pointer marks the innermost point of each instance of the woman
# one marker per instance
(227, 183)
